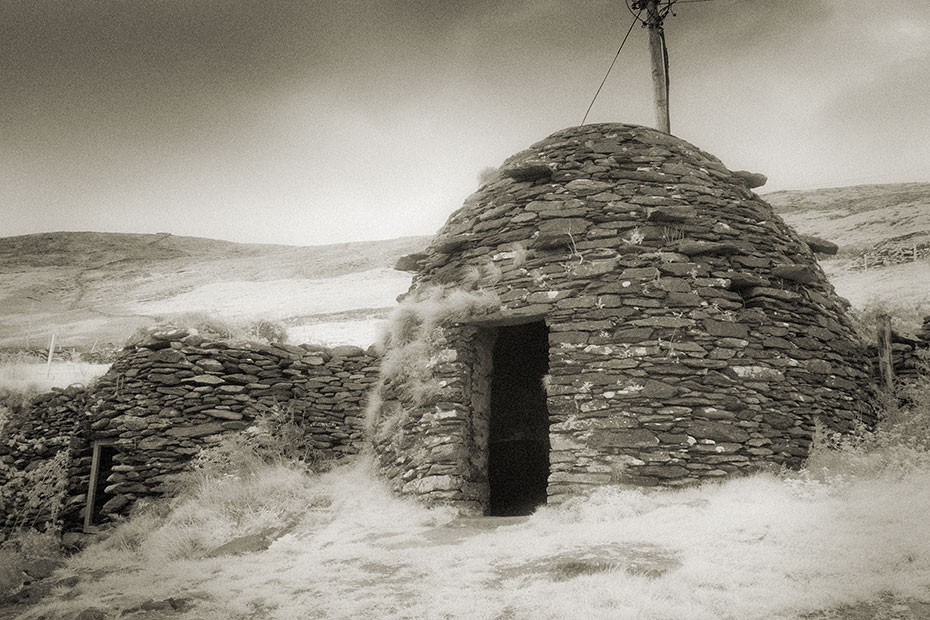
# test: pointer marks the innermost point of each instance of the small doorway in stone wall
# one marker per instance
(101, 467)
(518, 438)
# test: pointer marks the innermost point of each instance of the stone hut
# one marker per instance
(614, 307)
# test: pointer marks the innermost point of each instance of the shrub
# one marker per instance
(14, 400)
(267, 331)
(488, 174)
(33, 498)
(277, 437)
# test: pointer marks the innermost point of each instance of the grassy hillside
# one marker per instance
(100, 287)
(877, 227)
(859, 216)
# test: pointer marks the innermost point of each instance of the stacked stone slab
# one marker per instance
(174, 393)
(692, 334)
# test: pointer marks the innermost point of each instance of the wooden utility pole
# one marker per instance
(657, 55)
(885, 362)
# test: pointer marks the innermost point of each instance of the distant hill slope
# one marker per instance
(99, 287)
(884, 236)
(858, 216)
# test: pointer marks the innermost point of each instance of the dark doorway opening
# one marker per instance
(518, 441)
(100, 470)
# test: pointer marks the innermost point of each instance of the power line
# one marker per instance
(617, 55)
(635, 15)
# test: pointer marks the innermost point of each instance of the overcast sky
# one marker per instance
(307, 122)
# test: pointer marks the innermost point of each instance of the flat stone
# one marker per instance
(658, 389)
(674, 285)
(717, 431)
(204, 380)
(725, 329)
(741, 280)
(663, 471)
(446, 245)
(820, 246)
(664, 321)
(115, 504)
(241, 378)
(760, 373)
(210, 365)
(198, 430)
(594, 268)
(252, 543)
(153, 443)
(700, 248)
(528, 171)
(776, 420)
(819, 366)
(795, 273)
(224, 414)
(751, 180)
(171, 379)
(585, 187)
(774, 293)
(167, 356)
(671, 213)
(631, 438)
(410, 262)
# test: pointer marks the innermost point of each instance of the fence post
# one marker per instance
(51, 352)
(885, 366)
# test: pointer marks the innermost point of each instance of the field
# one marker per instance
(96, 289)
(843, 542)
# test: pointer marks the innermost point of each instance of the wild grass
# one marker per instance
(215, 327)
(413, 342)
(761, 547)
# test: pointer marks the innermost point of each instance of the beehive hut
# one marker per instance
(615, 306)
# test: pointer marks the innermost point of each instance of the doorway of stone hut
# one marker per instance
(518, 438)
(100, 469)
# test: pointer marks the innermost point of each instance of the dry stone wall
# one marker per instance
(174, 393)
(908, 248)
(910, 357)
(692, 334)
(36, 433)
